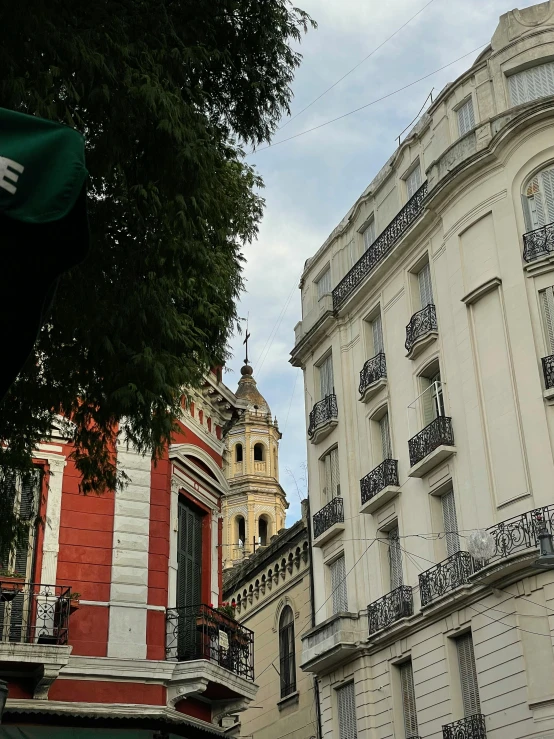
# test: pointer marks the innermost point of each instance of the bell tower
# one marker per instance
(254, 510)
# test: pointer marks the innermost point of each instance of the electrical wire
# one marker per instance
(373, 102)
(376, 49)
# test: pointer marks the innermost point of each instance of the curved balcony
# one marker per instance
(379, 486)
(548, 371)
(538, 243)
(373, 377)
(421, 331)
(448, 575)
(323, 418)
(470, 727)
(431, 446)
(328, 521)
(380, 248)
(397, 604)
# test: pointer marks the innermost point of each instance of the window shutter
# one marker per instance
(547, 303)
(466, 117)
(429, 407)
(346, 703)
(369, 235)
(532, 84)
(413, 181)
(324, 284)
(327, 490)
(286, 652)
(425, 287)
(408, 700)
(377, 330)
(338, 585)
(335, 474)
(547, 182)
(395, 559)
(327, 382)
(450, 523)
(468, 675)
(385, 437)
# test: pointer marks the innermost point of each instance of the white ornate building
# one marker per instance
(255, 507)
(427, 346)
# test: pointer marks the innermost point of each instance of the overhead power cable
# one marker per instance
(359, 64)
(373, 102)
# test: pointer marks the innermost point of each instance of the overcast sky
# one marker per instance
(311, 181)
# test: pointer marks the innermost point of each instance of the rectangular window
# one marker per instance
(338, 585)
(384, 428)
(539, 200)
(326, 379)
(425, 286)
(369, 235)
(432, 399)
(413, 181)
(532, 84)
(466, 118)
(324, 284)
(547, 307)
(377, 335)
(395, 559)
(332, 476)
(346, 703)
(351, 254)
(450, 523)
(408, 700)
(468, 675)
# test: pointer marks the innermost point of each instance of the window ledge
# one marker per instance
(373, 389)
(329, 534)
(289, 700)
(548, 395)
(434, 458)
(379, 500)
(323, 430)
(539, 266)
(422, 343)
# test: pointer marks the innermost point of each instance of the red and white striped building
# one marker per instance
(115, 624)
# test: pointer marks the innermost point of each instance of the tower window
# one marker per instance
(258, 452)
(241, 531)
(238, 453)
(263, 531)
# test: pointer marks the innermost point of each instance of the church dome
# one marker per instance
(248, 390)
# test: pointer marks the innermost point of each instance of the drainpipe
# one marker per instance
(312, 609)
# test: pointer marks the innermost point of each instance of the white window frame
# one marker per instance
(523, 85)
(331, 474)
(323, 283)
(407, 694)
(337, 579)
(326, 376)
(465, 116)
(468, 674)
(346, 699)
(369, 234)
(410, 180)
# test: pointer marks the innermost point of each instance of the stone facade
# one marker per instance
(427, 349)
(276, 578)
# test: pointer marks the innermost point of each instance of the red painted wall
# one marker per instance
(98, 691)
(195, 708)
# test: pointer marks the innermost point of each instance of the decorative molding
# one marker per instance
(478, 292)
(286, 600)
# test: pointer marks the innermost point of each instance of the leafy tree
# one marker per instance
(166, 92)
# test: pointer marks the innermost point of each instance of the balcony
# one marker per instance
(372, 377)
(380, 248)
(379, 486)
(471, 727)
(203, 633)
(390, 608)
(34, 626)
(431, 446)
(538, 243)
(548, 373)
(323, 418)
(336, 640)
(445, 577)
(421, 331)
(328, 522)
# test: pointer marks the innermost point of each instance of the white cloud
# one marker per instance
(312, 180)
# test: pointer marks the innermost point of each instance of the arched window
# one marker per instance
(539, 199)
(238, 452)
(286, 652)
(263, 531)
(258, 452)
(241, 531)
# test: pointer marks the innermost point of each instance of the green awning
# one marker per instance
(42, 168)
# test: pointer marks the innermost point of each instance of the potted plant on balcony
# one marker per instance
(11, 584)
(74, 603)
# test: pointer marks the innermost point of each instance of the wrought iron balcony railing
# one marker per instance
(202, 632)
(323, 411)
(421, 323)
(380, 247)
(471, 727)
(519, 533)
(548, 371)
(393, 606)
(435, 434)
(374, 369)
(446, 576)
(538, 243)
(329, 515)
(378, 479)
(33, 613)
